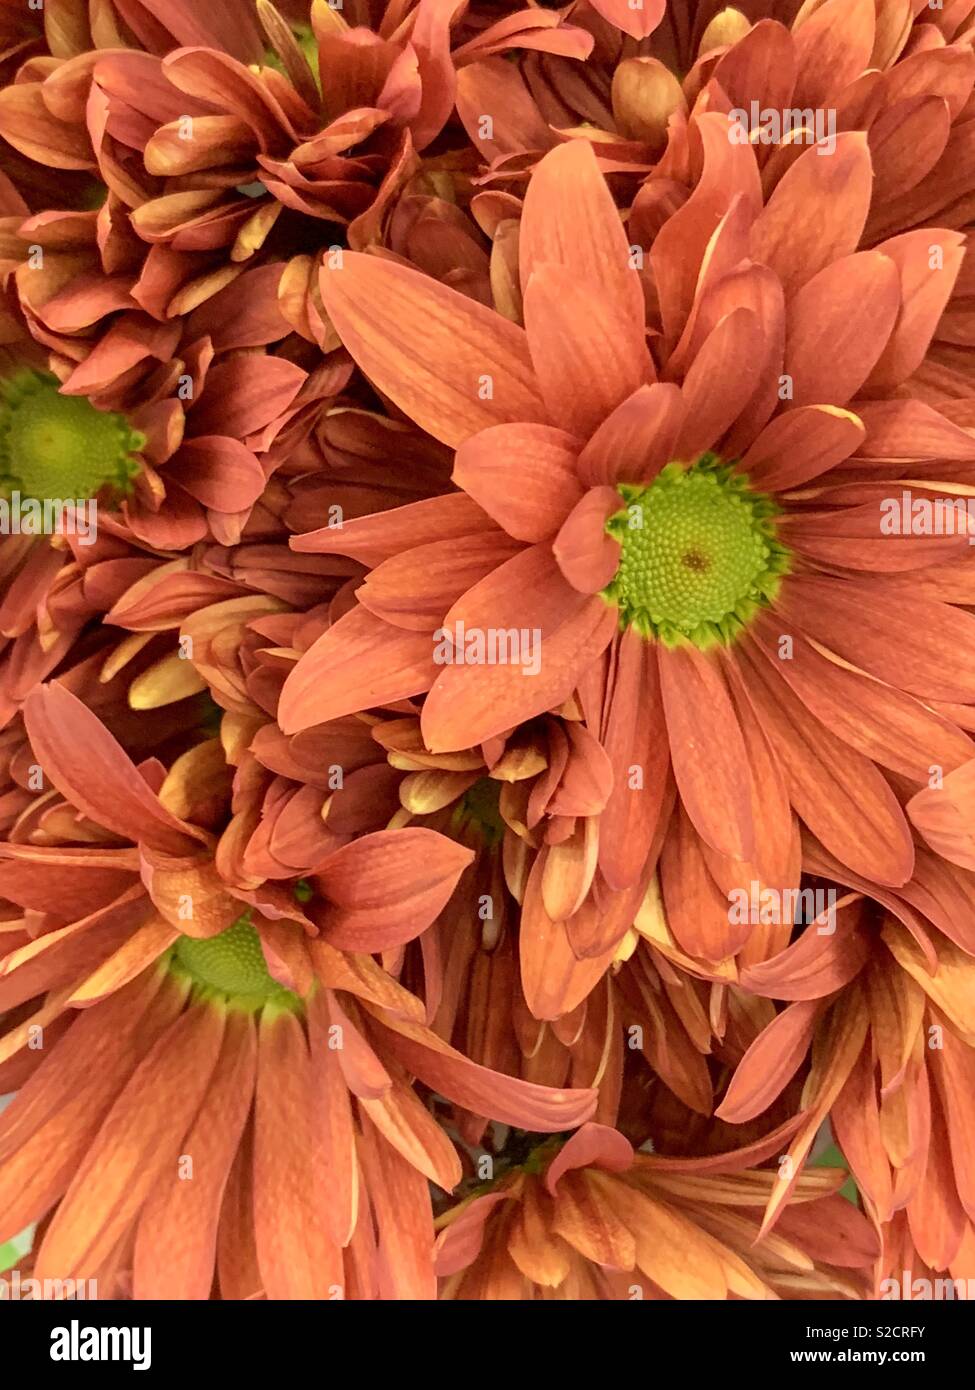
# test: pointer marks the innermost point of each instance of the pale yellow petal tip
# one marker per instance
(727, 27)
(169, 680)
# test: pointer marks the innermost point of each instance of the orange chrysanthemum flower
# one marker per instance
(881, 996)
(489, 804)
(594, 1220)
(128, 918)
(690, 528)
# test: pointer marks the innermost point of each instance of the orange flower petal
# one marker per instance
(838, 327)
(93, 771)
(770, 1063)
(524, 476)
(639, 20)
(452, 365)
(543, 1109)
(566, 632)
(176, 1240)
(570, 220)
(296, 1251)
(400, 1199)
(358, 663)
(587, 555)
(136, 1147)
(833, 46)
(637, 439)
(386, 888)
(800, 445)
(817, 213)
(587, 357)
(838, 792)
(707, 750)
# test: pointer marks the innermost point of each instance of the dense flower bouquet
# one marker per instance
(487, 648)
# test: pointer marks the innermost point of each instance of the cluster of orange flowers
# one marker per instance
(488, 780)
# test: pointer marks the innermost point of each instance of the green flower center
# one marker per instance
(232, 963)
(60, 447)
(699, 554)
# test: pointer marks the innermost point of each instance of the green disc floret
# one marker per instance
(231, 963)
(56, 447)
(699, 555)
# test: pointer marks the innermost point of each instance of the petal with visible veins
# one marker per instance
(454, 366)
(386, 888)
(94, 772)
(524, 476)
(360, 662)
